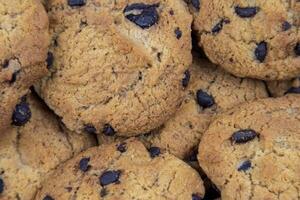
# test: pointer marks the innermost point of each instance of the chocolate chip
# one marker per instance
(1, 185)
(110, 177)
(142, 15)
(14, 77)
(243, 136)
(171, 12)
(48, 198)
(246, 12)
(49, 60)
(286, 26)
(108, 130)
(76, 2)
(196, 197)
(84, 164)
(297, 49)
(122, 147)
(154, 152)
(204, 100)
(22, 114)
(244, 166)
(186, 78)
(5, 64)
(103, 192)
(293, 90)
(218, 27)
(89, 128)
(261, 51)
(178, 33)
(196, 4)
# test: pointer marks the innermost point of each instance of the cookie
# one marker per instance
(118, 66)
(24, 41)
(28, 154)
(211, 91)
(281, 88)
(124, 171)
(252, 152)
(256, 39)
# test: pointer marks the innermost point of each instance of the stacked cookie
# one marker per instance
(104, 99)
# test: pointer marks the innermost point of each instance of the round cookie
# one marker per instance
(257, 39)
(211, 91)
(24, 40)
(252, 152)
(118, 66)
(281, 88)
(123, 171)
(28, 154)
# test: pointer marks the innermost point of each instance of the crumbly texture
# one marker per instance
(24, 40)
(141, 177)
(30, 153)
(280, 88)
(231, 40)
(181, 134)
(108, 70)
(273, 154)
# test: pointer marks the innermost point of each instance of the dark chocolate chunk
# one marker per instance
(286, 26)
(108, 130)
(89, 128)
(1, 185)
(84, 164)
(22, 114)
(261, 51)
(297, 49)
(245, 165)
(178, 33)
(293, 90)
(243, 136)
(154, 152)
(122, 147)
(76, 2)
(204, 100)
(142, 15)
(246, 12)
(109, 177)
(219, 26)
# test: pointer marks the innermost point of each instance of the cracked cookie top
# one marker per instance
(123, 171)
(252, 152)
(118, 67)
(211, 91)
(24, 40)
(28, 154)
(257, 39)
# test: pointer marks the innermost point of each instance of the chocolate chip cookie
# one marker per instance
(117, 67)
(124, 171)
(281, 88)
(257, 39)
(252, 152)
(24, 40)
(211, 91)
(28, 154)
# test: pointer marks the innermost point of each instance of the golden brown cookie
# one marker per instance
(257, 39)
(24, 40)
(123, 171)
(211, 91)
(252, 152)
(28, 154)
(118, 66)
